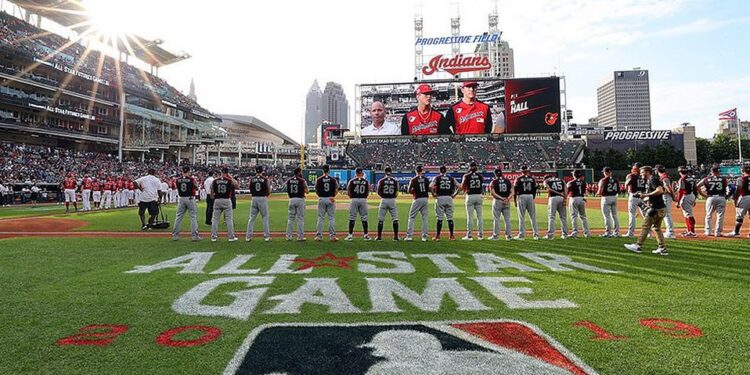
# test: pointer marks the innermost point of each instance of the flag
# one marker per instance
(728, 115)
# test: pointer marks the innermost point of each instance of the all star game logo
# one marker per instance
(473, 347)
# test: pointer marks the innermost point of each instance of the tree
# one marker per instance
(723, 148)
(703, 150)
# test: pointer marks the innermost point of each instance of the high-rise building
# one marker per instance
(335, 107)
(729, 127)
(313, 113)
(501, 59)
(624, 101)
(192, 95)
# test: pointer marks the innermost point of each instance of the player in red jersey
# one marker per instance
(109, 186)
(96, 192)
(469, 116)
(70, 184)
(424, 120)
(86, 192)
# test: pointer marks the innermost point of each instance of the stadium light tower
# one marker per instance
(456, 30)
(418, 48)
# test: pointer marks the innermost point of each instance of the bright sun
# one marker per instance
(110, 17)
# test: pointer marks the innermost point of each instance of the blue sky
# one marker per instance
(260, 58)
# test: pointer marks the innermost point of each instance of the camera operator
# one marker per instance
(654, 210)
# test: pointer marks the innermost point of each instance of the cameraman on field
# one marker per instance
(654, 210)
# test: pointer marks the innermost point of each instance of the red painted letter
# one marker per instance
(209, 334)
(673, 328)
(599, 332)
(104, 335)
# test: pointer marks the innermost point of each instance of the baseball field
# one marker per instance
(90, 293)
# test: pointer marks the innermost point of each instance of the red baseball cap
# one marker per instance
(424, 89)
(470, 84)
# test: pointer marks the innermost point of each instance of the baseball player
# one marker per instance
(108, 187)
(469, 116)
(221, 192)
(70, 184)
(186, 186)
(608, 189)
(444, 188)
(577, 203)
(556, 194)
(207, 183)
(296, 189)
(524, 192)
(424, 120)
(86, 192)
(500, 188)
(326, 187)
(471, 184)
(419, 188)
(388, 191)
(164, 190)
(358, 190)
(714, 189)
(634, 184)
(686, 200)
(654, 213)
(741, 200)
(260, 189)
(96, 192)
(668, 200)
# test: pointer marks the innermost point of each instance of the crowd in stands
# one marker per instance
(23, 37)
(405, 156)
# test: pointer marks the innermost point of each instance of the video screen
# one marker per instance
(514, 106)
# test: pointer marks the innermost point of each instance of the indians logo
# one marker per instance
(476, 347)
(456, 64)
(551, 118)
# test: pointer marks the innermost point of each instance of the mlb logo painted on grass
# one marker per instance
(472, 347)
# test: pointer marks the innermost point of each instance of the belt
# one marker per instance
(187, 197)
(717, 196)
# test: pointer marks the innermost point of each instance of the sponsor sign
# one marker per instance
(660, 135)
(445, 347)
(532, 105)
(385, 140)
(459, 39)
(456, 64)
(65, 112)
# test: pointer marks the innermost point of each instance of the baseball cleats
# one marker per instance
(349, 237)
(333, 239)
(436, 238)
(301, 239)
(536, 237)
(634, 247)
(379, 238)
(367, 237)
(605, 235)
(494, 238)
(424, 238)
(480, 237)
(466, 238)
(233, 239)
(214, 239)
(670, 236)
(508, 238)
(519, 238)
(732, 234)
(452, 238)
(267, 239)
(248, 239)
(318, 238)
(196, 239)
(408, 238)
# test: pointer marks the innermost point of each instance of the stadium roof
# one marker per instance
(72, 14)
(254, 121)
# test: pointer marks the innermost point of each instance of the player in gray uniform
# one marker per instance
(741, 201)
(714, 189)
(358, 190)
(326, 187)
(686, 200)
(634, 184)
(524, 192)
(500, 188)
(419, 188)
(222, 190)
(577, 203)
(608, 189)
(444, 188)
(260, 189)
(187, 186)
(388, 191)
(668, 200)
(296, 189)
(557, 193)
(471, 184)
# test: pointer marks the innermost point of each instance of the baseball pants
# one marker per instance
(474, 205)
(186, 204)
(687, 203)
(668, 222)
(418, 206)
(70, 195)
(526, 205)
(222, 206)
(715, 204)
(444, 208)
(556, 206)
(107, 199)
(86, 197)
(577, 206)
(296, 214)
(97, 196)
(326, 207)
(358, 206)
(499, 208)
(609, 211)
(633, 210)
(258, 206)
(387, 206)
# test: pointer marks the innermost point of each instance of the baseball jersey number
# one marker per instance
(422, 187)
(527, 186)
(715, 186)
(389, 189)
(359, 189)
(294, 188)
(222, 189)
(502, 188)
(557, 185)
(475, 184)
(183, 187)
(326, 186)
(258, 186)
(445, 184)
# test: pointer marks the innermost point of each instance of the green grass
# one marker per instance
(28, 210)
(52, 287)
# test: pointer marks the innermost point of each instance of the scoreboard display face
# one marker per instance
(514, 106)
